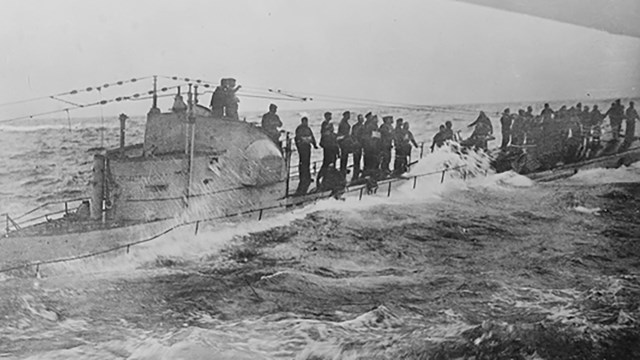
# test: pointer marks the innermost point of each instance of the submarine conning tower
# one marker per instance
(192, 160)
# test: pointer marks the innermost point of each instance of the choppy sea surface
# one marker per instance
(485, 267)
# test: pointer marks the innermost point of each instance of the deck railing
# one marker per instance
(12, 222)
(65, 208)
(196, 223)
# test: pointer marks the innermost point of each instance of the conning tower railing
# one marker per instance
(65, 208)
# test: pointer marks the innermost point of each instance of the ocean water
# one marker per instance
(483, 265)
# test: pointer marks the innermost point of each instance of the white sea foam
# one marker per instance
(597, 176)
(510, 179)
(586, 210)
(181, 244)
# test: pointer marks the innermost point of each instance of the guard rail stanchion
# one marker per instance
(288, 162)
(361, 191)
(421, 149)
(260, 215)
(389, 189)
(442, 179)
(197, 226)
(415, 179)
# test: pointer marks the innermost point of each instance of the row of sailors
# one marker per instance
(524, 127)
(369, 143)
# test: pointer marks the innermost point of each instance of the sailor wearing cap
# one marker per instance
(271, 122)
(386, 143)
(344, 140)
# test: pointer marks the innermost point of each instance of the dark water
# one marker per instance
(492, 267)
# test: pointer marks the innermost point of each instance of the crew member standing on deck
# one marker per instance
(371, 146)
(398, 135)
(344, 141)
(546, 113)
(596, 119)
(386, 143)
(517, 129)
(330, 150)
(231, 100)
(439, 138)
(630, 127)
(325, 123)
(218, 100)
(304, 140)
(448, 134)
(529, 113)
(615, 114)
(505, 123)
(358, 137)
(594, 131)
(403, 150)
(270, 124)
(483, 130)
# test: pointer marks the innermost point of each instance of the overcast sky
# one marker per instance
(419, 51)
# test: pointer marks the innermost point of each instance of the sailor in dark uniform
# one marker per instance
(615, 114)
(448, 131)
(517, 129)
(397, 133)
(529, 113)
(330, 150)
(505, 125)
(231, 104)
(631, 116)
(403, 149)
(371, 146)
(224, 102)
(270, 124)
(344, 141)
(439, 138)
(483, 130)
(575, 110)
(546, 113)
(358, 137)
(304, 140)
(585, 117)
(217, 102)
(386, 143)
(325, 123)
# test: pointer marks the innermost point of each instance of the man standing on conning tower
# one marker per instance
(224, 102)
(270, 124)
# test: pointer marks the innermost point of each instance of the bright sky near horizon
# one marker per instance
(409, 51)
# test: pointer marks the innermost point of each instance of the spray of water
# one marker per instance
(598, 176)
